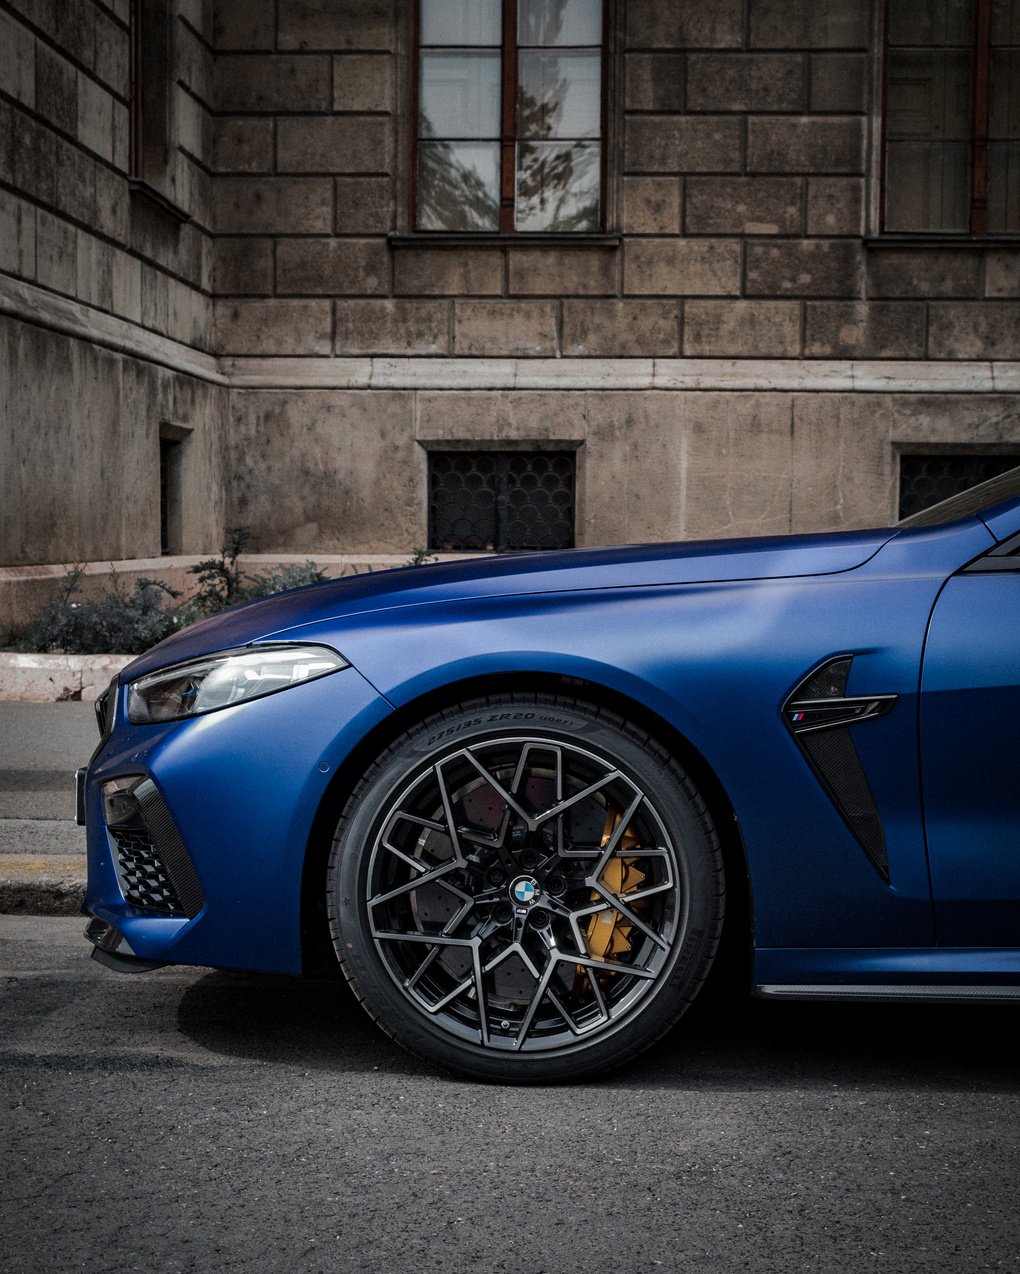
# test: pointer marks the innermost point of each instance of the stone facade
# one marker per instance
(105, 296)
(740, 351)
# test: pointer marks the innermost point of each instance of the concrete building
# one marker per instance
(365, 275)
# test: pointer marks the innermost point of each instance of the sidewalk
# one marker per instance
(42, 851)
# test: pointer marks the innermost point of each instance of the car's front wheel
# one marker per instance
(525, 888)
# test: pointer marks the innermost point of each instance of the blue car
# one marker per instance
(527, 803)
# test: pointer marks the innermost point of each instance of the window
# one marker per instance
(152, 27)
(508, 125)
(952, 123)
(501, 500)
(169, 496)
(927, 479)
(172, 439)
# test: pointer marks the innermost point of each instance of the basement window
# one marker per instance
(501, 501)
(927, 479)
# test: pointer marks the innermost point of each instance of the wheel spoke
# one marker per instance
(532, 1008)
(516, 949)
(562, 806)
(451, 825)
(435, 874)
(599, 999)
(483, 1011)
(498, 788)
(438, 939)
(468, 906)
(423, 968)
(557, 1004)
(634, 970)
(632, 917)
(616, 836)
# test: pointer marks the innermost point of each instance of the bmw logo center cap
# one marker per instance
(524, 891)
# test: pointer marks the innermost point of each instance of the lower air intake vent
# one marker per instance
(153, 865)
(143, 878)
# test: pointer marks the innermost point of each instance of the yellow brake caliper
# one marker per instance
(608, 933)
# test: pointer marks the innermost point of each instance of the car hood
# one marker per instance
(645, 566)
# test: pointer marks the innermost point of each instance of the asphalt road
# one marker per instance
(194, 1120)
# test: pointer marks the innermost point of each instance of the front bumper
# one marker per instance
(231, 800)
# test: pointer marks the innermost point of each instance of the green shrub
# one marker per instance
(222, 583)
(130, 622)
(127, 623)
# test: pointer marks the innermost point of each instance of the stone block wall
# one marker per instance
(664, 465)
(738, 352)
(304, 153)
(79, 450)
(741, 156)
(68, 221)
(105, 294)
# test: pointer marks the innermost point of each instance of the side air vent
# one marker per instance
(820, 715)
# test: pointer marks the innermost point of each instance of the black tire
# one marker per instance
(566, 921)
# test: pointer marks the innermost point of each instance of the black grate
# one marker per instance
(501, 500)
(143, 877)
(927, 479)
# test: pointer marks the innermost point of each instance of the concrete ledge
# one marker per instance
(56, 678)
(34, 304)
(41, 886)
(26, 589)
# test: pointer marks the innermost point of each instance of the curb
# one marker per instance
(30, 678)
(47, 885)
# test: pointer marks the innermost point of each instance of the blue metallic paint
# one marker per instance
(711, 639)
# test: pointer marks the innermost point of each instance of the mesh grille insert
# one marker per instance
(143, 877)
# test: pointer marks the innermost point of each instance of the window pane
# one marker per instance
(459, 95)
(1004, 187)
(1005, 21)
(462, 500)
(1004, 147)
(927, 186)
(1004, 121)
(458, 186)
(931, 22)
(558, 186)
(461, 22)
(559, 95)
(929, 95)
(539, 500)
(546, 22)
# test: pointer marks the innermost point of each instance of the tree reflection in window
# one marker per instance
(509, 131)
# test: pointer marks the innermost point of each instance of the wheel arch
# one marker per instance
(734, 959)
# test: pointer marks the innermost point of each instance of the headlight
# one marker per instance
(221, 680)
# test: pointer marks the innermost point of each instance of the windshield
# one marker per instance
(984, 496)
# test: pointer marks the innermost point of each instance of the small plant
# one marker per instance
(278, 579)
(420, 557)
(220, 579)
(222, 583)
(130, 622)
(117, 621)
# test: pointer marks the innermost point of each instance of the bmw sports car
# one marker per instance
(526, 803)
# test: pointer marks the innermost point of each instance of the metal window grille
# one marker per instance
(927, 479)
(501, 500)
